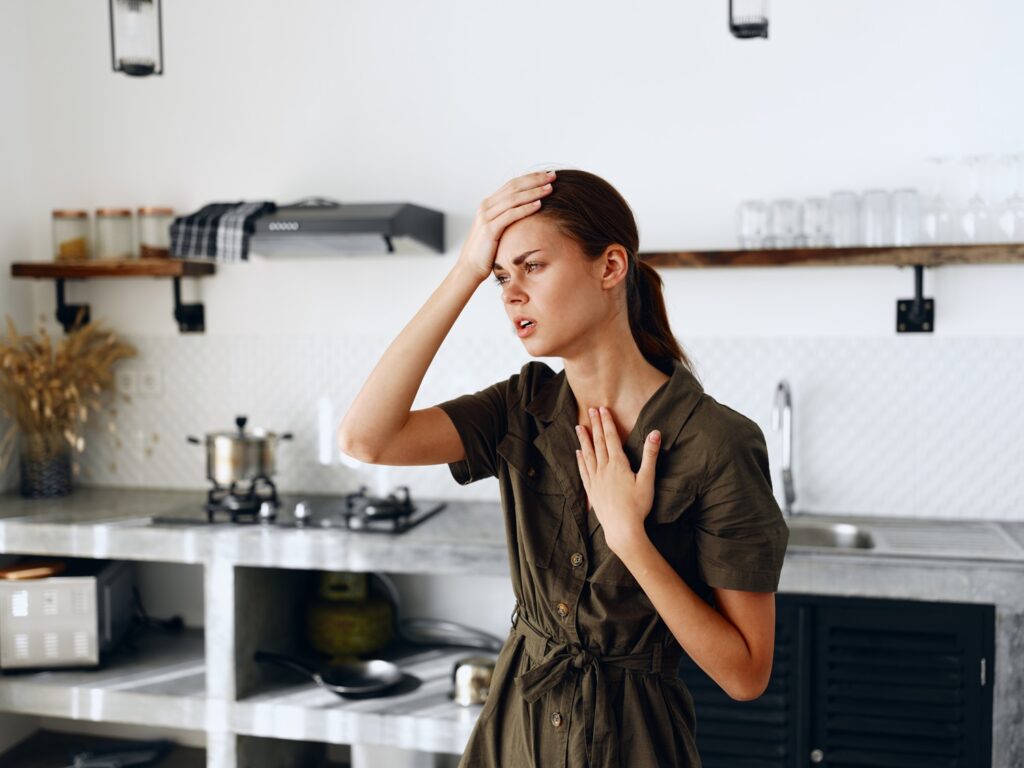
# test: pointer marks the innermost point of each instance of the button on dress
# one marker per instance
(587, 676)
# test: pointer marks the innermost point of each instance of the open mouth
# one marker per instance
(525, 326)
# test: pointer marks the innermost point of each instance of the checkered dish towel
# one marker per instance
(218, 231)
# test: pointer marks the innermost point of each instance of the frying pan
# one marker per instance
(349, 679)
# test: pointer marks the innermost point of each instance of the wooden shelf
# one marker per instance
(918, 255)
(189, 317)
(113, 268)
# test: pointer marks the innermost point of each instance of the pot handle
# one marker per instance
(285, 436)
(195, 440)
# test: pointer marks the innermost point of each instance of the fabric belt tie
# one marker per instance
(570, 659)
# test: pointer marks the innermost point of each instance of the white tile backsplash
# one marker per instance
(908, 426)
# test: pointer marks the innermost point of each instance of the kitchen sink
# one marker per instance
(834, 535)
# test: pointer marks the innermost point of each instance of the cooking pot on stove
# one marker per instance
(239, 456)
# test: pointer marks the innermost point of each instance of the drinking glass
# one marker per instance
(844, 212)
(782, 224)
(815, 226)
(906, 217)
(752, 220)
(876, 218)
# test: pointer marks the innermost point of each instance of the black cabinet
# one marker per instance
(859, 683)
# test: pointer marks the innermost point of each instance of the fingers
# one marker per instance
(612, 443)
(584, 472)
(649, 458)
(600, 449)
(520, 192)
(586, 450)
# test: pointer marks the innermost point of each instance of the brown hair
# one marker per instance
(591, 211)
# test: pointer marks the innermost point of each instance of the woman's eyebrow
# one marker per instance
(516, 261)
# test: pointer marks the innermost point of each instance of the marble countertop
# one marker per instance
(466, 537)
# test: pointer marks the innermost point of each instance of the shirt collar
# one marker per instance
(667, 410)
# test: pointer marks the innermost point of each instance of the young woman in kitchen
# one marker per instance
(639, 511)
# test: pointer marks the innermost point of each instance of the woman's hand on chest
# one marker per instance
(621, 498)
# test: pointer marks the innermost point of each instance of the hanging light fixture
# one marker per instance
(749, 18)
(136, 37)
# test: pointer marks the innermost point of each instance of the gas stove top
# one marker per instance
(261, 505)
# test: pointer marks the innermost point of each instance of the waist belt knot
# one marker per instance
(566, 660)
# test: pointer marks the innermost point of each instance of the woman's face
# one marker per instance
(544, 277)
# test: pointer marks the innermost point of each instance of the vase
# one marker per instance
(45, 467)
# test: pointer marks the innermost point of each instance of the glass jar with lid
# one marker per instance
(155, 232)
(114, 233)
(70, 235)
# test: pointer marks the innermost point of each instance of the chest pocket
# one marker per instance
(666, 526)
(539, 499)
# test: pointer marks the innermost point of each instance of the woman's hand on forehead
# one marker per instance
(515, 200)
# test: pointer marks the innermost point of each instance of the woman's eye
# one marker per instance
(499, 279)
(530, 265)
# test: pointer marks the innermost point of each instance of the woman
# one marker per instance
(638, 510)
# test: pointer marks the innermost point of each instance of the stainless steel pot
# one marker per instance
(240, 456)
(471, 680)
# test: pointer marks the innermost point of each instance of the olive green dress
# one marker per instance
(587, 676)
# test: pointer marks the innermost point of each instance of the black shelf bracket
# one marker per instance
(68, 313)
(191, 318)
(916, 315)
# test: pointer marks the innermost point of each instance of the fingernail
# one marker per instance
(593, 411)
(655, 436)
(551, 173)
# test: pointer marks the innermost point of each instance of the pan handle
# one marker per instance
(287, 661)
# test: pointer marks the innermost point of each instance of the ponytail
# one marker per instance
(648, 319)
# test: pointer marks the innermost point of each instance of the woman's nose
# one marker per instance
(512, 293)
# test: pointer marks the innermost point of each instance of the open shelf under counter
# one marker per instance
(425, 719)
(160, 680)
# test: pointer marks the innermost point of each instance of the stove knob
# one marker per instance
(301, 512)
(267, 511)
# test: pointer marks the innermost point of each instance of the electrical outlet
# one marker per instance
(150, 382)
(126, 381)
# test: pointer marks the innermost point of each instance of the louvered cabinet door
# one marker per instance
(901, 685)
(766, 732)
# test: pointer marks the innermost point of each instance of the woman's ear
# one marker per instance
(616, 265)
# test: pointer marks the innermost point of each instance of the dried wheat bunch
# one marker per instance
(48, 389)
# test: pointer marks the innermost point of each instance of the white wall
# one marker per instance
(439, 103)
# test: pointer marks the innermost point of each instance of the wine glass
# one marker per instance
(937, 220)
(976, 217)
(1010, 214)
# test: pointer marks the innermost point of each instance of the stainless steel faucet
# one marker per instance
(782, 418)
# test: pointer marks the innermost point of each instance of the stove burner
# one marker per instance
(394, 513)
(256, 498)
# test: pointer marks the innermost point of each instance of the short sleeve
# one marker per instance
(741, 535)
(481, 419)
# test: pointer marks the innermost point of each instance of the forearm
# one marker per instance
(711, 640)
(382, 406)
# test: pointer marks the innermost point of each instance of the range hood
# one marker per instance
(321, 227)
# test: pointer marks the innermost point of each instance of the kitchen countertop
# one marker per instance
(935, 560)
(466, 537)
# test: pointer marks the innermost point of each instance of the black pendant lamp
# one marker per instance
(749, 18)
(136, 37)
